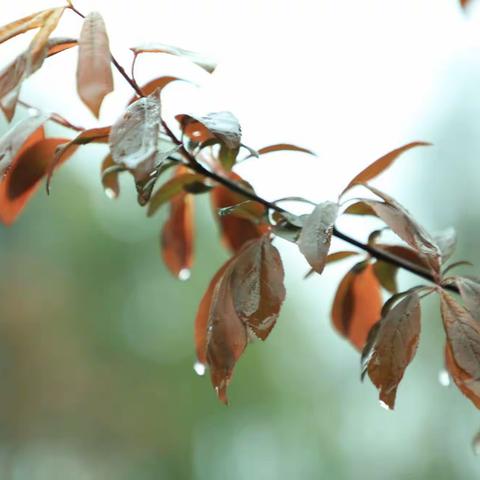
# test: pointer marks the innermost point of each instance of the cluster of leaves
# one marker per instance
(245, 296)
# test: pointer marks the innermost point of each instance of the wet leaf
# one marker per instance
(395, 345)
(467, 384)
(171, 188)
(109, 172)
(93, 135)
(136, 139)
(12, 141)
(23, 178)
(220, 125)
(156, 84)
(403, 224)
(57, 45)
(470, 291)
(446, 241)
(380, 165)
(236, 231)
(94, 70)
(315, 237)
(257, 284)
(463, 338)
(244, 296)
(357, 304)
(38, 48)
(203, 62)
(177, 236)
(30, 22)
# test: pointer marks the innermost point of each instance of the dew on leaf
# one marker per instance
(199, 368)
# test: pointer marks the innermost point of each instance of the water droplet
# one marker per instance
(197, 133)
(33, 112)
(199, 368)
(384, 405)
(443, 378)
(184, 274)
(110, 193)
(476, 444)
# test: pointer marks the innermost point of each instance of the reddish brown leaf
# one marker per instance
(403, 224)
(245, 295)
(94, 71)
(404, 253)
(30, 22)
(205, 63)
(220, 125)
(360, 208)
(177, 236)
(316, 234)
(154, 85)
(464, 3)
(394, 347)
(468, 385)
(23, 178)
(257, 284)
(136, 140)
(386, 274)
(38, 48)
(235, 231)
(470, 291)
(15, 138)
(357, 304)
(201, 319)
(57, 45)
(110, 171)
(93, 135)
(381, 164)
(463, 336)
(281, 147)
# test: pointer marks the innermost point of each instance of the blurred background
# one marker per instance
(96, 347)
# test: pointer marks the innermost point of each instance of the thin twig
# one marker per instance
(55, 117)
(194, 165)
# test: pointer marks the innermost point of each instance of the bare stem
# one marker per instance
(55, 117)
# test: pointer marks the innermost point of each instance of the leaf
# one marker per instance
(403, 224)
(464, 3)
(156, 84)
(30, 22)
(177, 236)
(220, 125)
(446, 241)
(236, 231)
(470, 291)
(202, 317)
(463, 335)
(57, 45)
(13, 75)
(394, 347)
(468, 385)
(281, 147)
(404, 253)
(380, 165)
(12, 141)
(171, 188)
(357, 304)
(203, 62)
(245, 295)
(257, 284)
(136, 140)
(315, 237)
(334, 257)
(109, 172)
(22, 179)
(93, 135)
(94, 70)
(38, 48)
(386, 274)
(360, 208)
